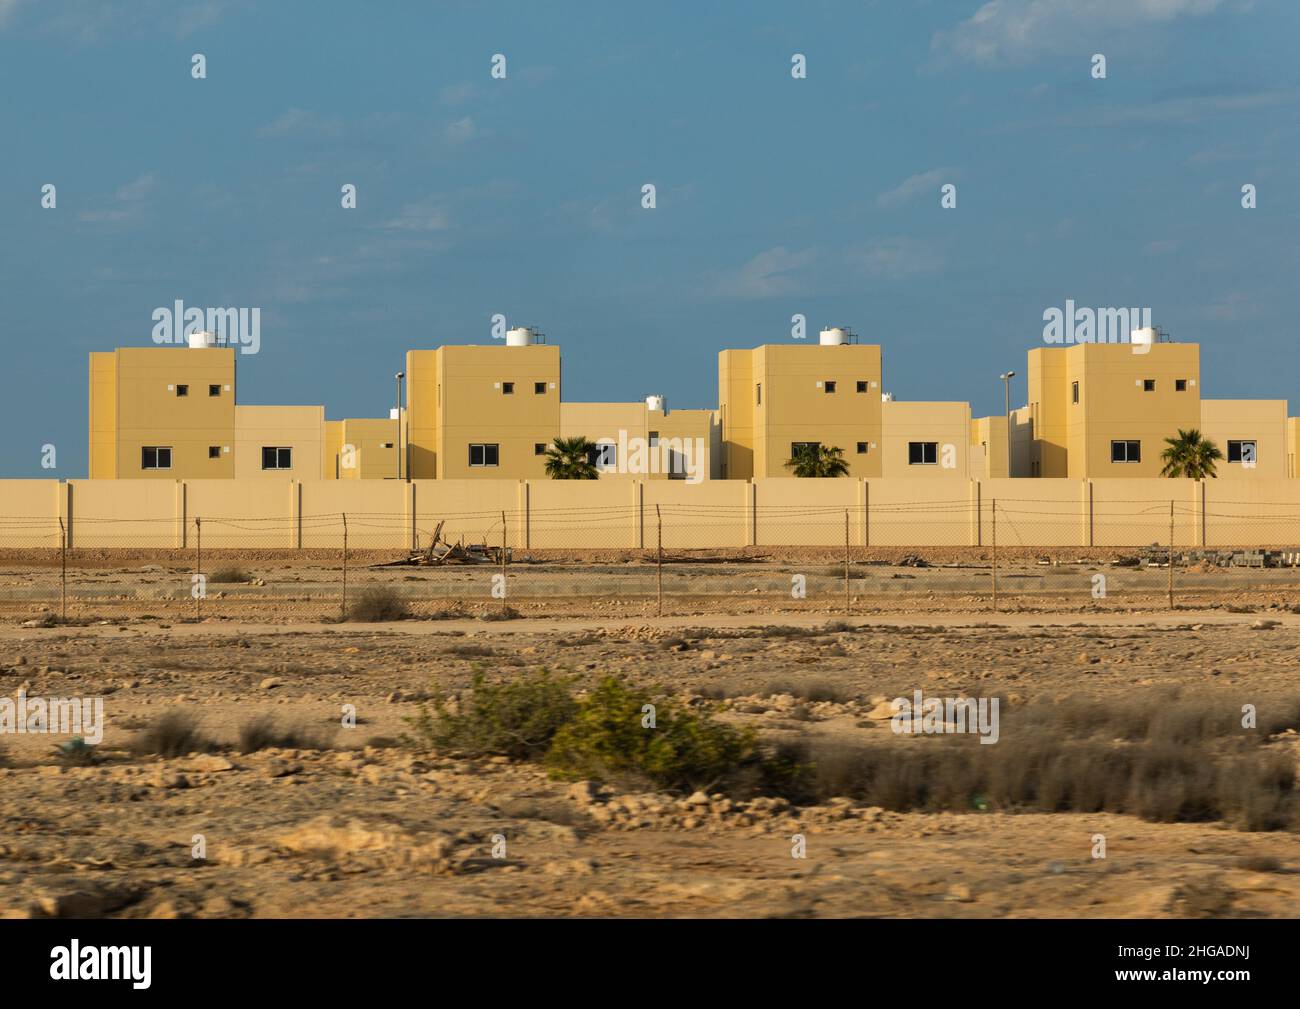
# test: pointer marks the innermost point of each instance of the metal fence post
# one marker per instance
(198, 568)
(848, 599)
(995, 555)
(343, 605)
(63, 571)
(1171, 555)
(659, 560)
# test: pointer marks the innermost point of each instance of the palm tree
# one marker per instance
(818, 461)
(1190, 455)
(569, 459)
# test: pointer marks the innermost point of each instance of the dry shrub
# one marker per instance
(172, 735)
(230, 575)
(264, 732)
(376, 604)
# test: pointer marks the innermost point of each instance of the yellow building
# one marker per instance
(1251, 434)
(774, 399)
(1094, 410)
(362, 448)
(990, 448)
(646, 441)
(483, 411)
(926, 440)
(162, 413)
(1105, 410)
(284, 442)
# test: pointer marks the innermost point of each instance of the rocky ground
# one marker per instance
(353, 823)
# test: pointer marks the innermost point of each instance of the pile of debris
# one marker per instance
(439, 552)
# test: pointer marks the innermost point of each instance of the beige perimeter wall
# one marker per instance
(390, 514)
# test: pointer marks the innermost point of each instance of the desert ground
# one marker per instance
(367, 820)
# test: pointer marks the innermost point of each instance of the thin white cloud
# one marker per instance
(898, 258)
(462, 131)
(425, 215)
(1013, 31)
(916, 185)
(137, 189)
(128, 202)
(457, 94)
(301, 122)
(772, 273)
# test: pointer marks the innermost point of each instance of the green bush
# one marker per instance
(685, 750)
(518, 718)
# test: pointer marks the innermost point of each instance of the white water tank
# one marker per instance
(394, 413)
(886, 397)
(659, 403)
(834, 336)
(203, 338)
(521, 336)
(1147, 335)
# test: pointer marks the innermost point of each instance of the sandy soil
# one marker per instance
(363, 827)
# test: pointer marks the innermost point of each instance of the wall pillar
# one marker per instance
(751, 513)
(638, 516)
(1088, 515)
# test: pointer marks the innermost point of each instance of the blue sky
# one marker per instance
(522, 196)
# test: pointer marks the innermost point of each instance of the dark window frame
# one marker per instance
(282, 453)
(1235, 445)
(489, 451)
(157, 458)
(1128, 451)
(917, 451)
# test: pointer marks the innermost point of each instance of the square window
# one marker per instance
(1074, 392)
(603, 455)
(1126, 451)
(277, 457)
(182, 390)
(798, 448)
(1180, 385)
(828, 386)
(922, 453)
(539, 448)
(507, 388)
(863, 386)
(155, 457)
(862, 448)
(1244, 452)
(758, 392)
(1148, 385)
(214, 451)
(539, 388)
(484, 455)
(214, 390)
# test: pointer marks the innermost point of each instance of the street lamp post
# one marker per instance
(399, 376)
(1006, 389)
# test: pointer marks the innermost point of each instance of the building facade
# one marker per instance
(1094, 410)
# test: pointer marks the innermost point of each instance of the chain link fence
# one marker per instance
(668, 559)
